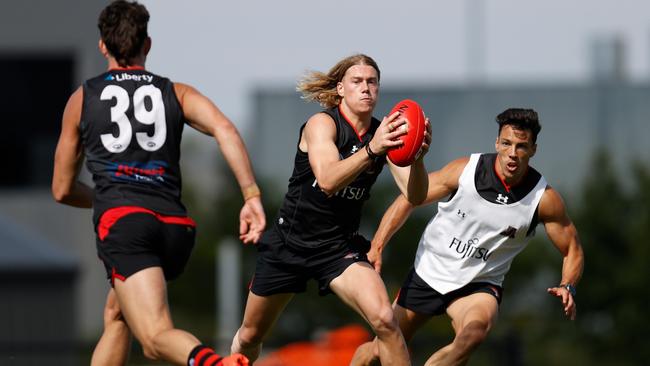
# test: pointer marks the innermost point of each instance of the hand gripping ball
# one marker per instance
(405, 154)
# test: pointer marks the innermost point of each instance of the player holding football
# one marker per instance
(340, 153)
(128, 123)
(496, 201)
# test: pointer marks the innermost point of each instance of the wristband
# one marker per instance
(569, 287)
(371, 154)
(250, 191)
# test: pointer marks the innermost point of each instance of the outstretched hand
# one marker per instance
(252, 220)
(374, 257)
(568, 302)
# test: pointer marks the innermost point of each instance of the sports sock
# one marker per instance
(203, 356)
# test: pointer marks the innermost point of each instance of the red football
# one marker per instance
(405, 154)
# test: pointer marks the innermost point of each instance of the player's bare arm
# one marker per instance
(412, 180)
(564, 236)
(68, 158)
(441, 184)
(332, 174)
(444, 182)
(205, 116)
(393, 219)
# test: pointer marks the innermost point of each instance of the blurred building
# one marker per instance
(38, 308)
(46, 50)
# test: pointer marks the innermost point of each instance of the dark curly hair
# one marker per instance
(525, 119)
(123, 28)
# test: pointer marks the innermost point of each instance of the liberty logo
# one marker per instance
(124, 76)
(502, 199)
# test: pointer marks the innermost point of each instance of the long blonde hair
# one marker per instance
(321, 87)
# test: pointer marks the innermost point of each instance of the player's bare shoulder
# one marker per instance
(78, 94)
(551, 206)
(320, 120)
(72, 112)
(451, 172)
(181, 90)
(456, 167)
(446, 180)
(318, 126)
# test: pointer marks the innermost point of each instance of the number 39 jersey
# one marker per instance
(131, 126)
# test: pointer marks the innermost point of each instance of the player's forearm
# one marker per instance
(418, 183)
(236, 155)
(337, 175)
(392, 221)
(77, 195)
(572, 265)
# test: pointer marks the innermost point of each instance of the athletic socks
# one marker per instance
(203, 356)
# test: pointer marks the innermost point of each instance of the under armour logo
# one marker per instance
(502, 199)
(354, 149)
(461, 214)
(509, 232)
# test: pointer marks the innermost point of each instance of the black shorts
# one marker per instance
(281, 268)
(128, 242)
(416, 295)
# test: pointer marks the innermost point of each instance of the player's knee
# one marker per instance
(249, 349)
(472, 335)
(152, 344)
(384, 321)
(248, 337)
(113, 316)
(114, 320)
(149, 349)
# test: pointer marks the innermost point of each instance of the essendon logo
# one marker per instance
(132, 170)
(151, 172)
(509, 232)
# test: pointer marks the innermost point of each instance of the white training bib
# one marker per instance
(471, 239)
